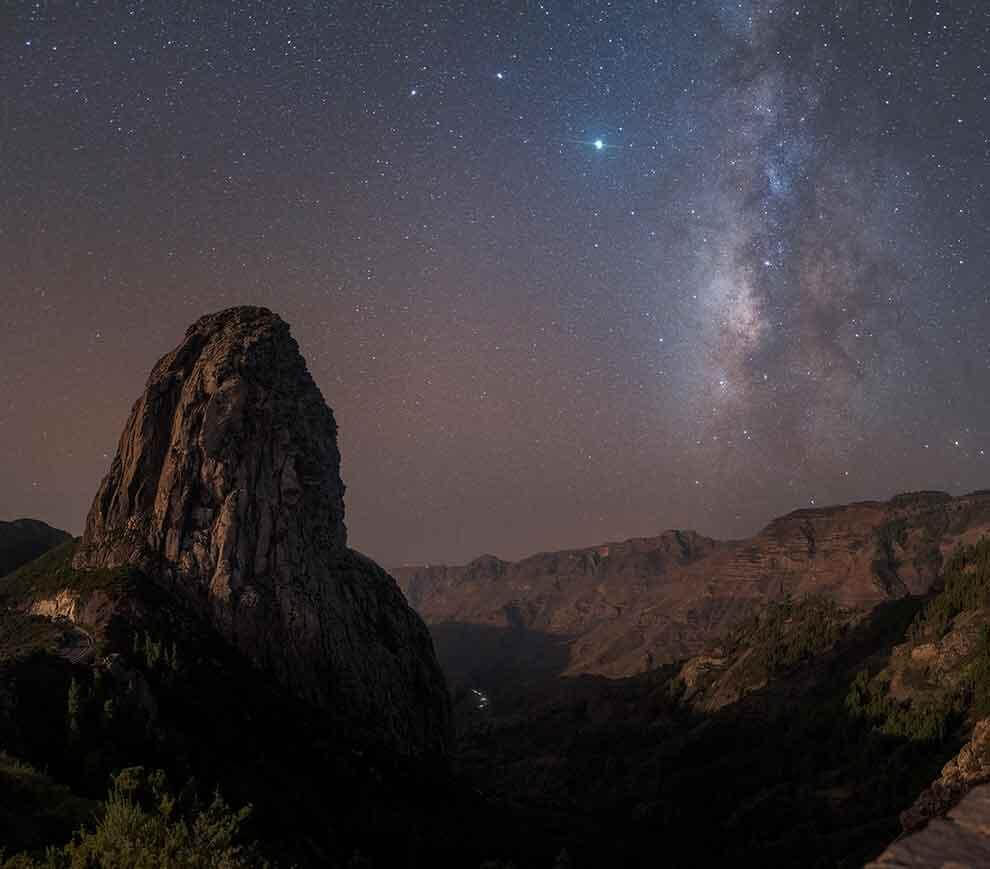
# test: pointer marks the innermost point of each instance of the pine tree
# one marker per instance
(152, 651)
(74, 710)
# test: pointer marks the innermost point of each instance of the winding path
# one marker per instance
(81, 648)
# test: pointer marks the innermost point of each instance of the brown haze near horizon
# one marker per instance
(563, 278)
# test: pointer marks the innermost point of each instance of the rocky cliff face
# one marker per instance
(226, 488)
(961, 840)
(560, 592)
(969, 768)
(625, 607)
(23, 540)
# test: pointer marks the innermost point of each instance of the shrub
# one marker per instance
(144, 827)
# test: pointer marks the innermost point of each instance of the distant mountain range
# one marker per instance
(617, 609)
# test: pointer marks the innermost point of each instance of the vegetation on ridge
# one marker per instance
(53, 572)
(141, 825)
(163, 690)
(839, 719)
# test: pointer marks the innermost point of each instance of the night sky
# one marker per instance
(565, 271)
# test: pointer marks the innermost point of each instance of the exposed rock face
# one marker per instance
(226, 488)
(967, 769)
(230, 435)
(566, 594)
(23, 540)
(961, 840)
(561, 592)
(626, 607)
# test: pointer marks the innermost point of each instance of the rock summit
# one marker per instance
(226, 488)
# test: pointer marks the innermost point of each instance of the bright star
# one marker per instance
(599, 144)
(499, 76)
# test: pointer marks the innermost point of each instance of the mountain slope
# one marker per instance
(159, 687)
(804, 742)
(619, 609)
(23, 540)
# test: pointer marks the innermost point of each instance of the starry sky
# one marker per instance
(566, 272)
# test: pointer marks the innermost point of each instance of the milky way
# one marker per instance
(798, 288)
(566, 271)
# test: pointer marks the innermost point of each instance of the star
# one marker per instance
(787, 277)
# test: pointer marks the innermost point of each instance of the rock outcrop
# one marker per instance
(226, 489)
(626, 607)
(969, 768)
(23, 540)
(961, 840)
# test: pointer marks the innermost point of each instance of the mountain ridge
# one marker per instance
(22, 540)
(624, 607)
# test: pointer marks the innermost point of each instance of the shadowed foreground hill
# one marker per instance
(157, 686)
(23, 540)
